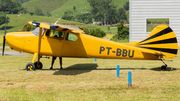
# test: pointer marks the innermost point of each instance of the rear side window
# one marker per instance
(71, 37)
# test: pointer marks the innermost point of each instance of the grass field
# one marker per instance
(83, 79)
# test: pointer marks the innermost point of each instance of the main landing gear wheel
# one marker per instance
(38, 66)
(30, 66)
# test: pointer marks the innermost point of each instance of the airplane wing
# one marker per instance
(58, 27)
(43, 25)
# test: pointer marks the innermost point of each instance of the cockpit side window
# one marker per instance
(55, 34)
(36, 31)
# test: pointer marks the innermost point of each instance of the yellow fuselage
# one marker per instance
(85, 46)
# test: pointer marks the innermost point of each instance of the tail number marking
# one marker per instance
(119, 52)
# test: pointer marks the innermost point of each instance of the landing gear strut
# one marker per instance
(163, 67)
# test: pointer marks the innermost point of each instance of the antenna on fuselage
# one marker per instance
(57, 21)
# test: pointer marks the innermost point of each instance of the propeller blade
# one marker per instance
(4, 40)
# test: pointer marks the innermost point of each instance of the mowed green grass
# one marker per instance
(83, 79)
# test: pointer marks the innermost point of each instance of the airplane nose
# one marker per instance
(15, 40)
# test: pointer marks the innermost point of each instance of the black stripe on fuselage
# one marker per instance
(172, 51)
(165, 31)
(171, 40)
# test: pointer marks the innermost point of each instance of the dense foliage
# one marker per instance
(95, 32)
(28, 27)
(38, 12)
(21, 1)
(12, 6)
(106, 11)
(123, 33)
(84, 18)
(102, 11)
(9, 6)
(3, 18)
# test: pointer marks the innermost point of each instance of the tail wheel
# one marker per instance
(163, 67)
(30, 66)
(38, 66)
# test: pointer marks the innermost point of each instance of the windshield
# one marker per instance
(36, 31)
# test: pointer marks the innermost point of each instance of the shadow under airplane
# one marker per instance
(77, 69)
(167, 69)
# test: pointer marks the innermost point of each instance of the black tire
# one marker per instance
(30, 66)
(163, 67)
(40, 66)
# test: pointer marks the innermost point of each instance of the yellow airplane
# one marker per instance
(68, 41)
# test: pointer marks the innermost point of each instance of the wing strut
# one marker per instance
(39, 45)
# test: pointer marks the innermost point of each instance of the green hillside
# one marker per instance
(82, 6)
(44, 5)
(17, 22)
(58, 7)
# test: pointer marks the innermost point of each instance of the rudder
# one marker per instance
(161, 39)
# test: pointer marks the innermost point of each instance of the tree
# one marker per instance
(123, 33)
(3, 18)
(24, 10)
(102, 10)
(26, 27)
(111, 14)
(21, 1)
(84, 18)
(74, 8)
(38, 12)
(95, 32)
(9, 6)
(126, 6)
(121, 15)
(48, 14)
(68, 12)
(31, 13)
(68, 15)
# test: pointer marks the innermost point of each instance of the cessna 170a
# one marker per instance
(68, 41)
